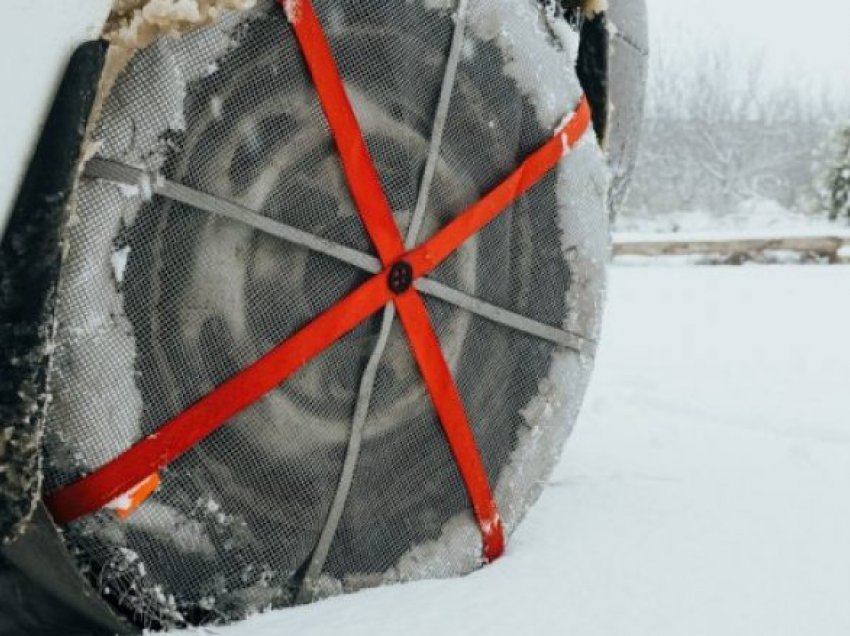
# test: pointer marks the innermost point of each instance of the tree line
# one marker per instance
(719, 132)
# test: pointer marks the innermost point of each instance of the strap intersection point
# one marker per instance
(400, 269)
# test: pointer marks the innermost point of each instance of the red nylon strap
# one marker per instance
(186, 430)
(360, 173)
(449, 406)
(175, 437)
(434, 251)
(371, 203)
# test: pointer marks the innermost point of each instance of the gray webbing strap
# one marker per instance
(121, 173)
(367, 382)
(118, 172)
(501, 316)
(439, 126)
(352, 454)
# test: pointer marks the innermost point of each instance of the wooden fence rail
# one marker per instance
(834, 247)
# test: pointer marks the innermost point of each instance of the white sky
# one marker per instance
(807, 43)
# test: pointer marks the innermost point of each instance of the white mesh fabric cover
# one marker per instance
(160, 302)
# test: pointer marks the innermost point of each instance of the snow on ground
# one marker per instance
(704, 491)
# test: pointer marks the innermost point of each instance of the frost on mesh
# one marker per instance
(160, 302)
(550, 415)
(134, 24)
(537, 51)
(20, 478)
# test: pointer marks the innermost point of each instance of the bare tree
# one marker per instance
(718, 133)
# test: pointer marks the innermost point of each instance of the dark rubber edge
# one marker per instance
(592, 68)
(30, 255)
(30, 260)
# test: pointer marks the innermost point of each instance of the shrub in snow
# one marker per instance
(833, 185)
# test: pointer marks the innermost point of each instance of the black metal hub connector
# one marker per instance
(400, 277)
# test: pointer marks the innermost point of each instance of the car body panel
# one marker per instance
(36, 38)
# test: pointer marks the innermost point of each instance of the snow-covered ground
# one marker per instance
(705, 490)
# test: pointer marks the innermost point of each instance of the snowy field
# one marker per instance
(705, 491)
